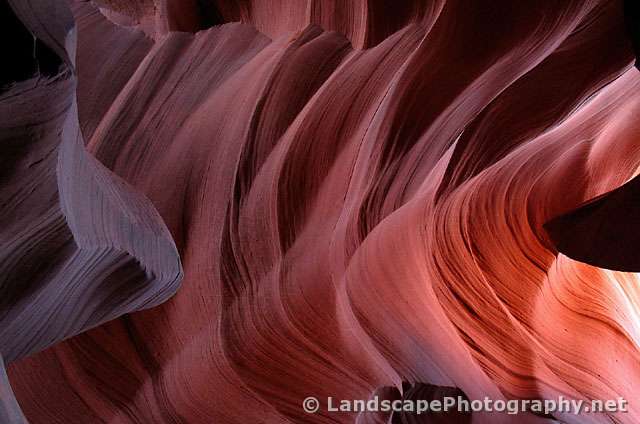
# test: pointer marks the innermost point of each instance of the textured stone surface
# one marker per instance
(359, 197)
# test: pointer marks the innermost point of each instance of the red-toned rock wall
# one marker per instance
(358, 197)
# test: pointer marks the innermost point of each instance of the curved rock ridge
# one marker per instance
(79, 246)
(364, 22)
(408, 200)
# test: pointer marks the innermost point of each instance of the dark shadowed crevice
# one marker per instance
(29, 56)
(632, 22)
(429, 392)
(209, 15)
(603, 232)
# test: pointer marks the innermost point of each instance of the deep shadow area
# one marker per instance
(209, 15)
(429, 392)
(29, 56)
(603, 232)
(632, 22)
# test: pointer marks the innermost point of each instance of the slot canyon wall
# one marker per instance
(213, 209)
